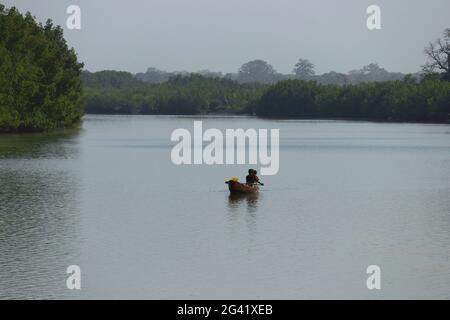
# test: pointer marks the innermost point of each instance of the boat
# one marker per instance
(236, 187)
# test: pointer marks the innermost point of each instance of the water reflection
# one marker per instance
(58, 144)
(235, 201)
(243, 208)
(39, 214)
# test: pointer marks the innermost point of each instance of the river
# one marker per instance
(108, 198)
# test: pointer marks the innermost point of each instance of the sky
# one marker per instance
(221, 35)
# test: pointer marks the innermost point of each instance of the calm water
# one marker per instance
(108, 198)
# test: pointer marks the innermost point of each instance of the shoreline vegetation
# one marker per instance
(40, 85)
(44, 87)
(407, 100)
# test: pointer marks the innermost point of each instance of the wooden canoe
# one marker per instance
(237, 187)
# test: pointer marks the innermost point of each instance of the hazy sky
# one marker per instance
(220, 35)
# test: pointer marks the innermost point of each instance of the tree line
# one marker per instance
(371, 93)
(42, 86)
(260, 71)
(420, 100)
(407, 100)
(111, 92)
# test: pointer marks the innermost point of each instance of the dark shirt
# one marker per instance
(251, 178)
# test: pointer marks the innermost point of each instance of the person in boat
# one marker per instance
(252, 177)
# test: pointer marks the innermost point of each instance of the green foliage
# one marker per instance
(109, 79)
(40, 87)
(193, 94)
(408, 100)
(119, 93)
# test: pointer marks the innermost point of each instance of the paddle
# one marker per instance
(260, 183)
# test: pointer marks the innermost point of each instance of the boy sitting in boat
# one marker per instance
(252, 178)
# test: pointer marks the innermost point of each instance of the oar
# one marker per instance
(260, 183)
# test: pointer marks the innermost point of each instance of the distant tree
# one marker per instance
(230, 76)
(438, 53)
(333, 77)
(373, 73)
(304, 69)
(257, 71)
(154, 75)
(210, 74)
(370, 68)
